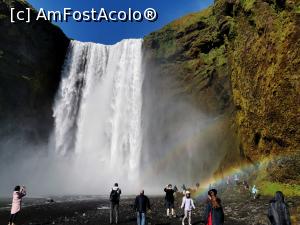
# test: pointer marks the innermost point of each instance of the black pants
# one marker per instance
(114, 211)
(12, 218)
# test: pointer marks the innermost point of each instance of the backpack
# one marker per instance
(115, 195)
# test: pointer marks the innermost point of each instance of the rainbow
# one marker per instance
(174, 154)
(230, 172)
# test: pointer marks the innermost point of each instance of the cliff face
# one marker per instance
(31, 57)
(265, 71)
(194, 49)
(241, 59)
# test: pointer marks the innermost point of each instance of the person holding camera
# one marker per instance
(18, 194)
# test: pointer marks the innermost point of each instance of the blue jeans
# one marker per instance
(141, 218)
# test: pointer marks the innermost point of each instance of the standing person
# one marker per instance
(188, 206)
(254, 192)
(228, 180)
(114, 202)
(246, 185)
(169, 200)
(18, 194)
(197, 186)
(278, 212)
(175, 188)
(141, 205)
(236, 179)
(214, 214)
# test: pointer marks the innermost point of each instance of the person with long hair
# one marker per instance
(18, 194)
(214, 214)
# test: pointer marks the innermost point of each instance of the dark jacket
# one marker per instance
(141, 203)
(217, 214)
(169, 195)
(115, 195)
(278, 212)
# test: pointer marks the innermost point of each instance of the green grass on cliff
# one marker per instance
(216, 57)
(247, 4)
(166, 38)
(269, 188)
(297, 9)
(189, 20)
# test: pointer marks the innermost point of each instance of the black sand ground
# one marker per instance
(239, 209)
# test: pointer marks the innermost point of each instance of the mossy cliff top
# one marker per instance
(241, 58)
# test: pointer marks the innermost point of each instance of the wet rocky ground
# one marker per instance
(239, 209)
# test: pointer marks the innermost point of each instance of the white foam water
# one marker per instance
(98, 107)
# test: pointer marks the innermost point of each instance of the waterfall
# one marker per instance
(98, 106)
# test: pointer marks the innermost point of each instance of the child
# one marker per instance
(188, 205)
(18, 194)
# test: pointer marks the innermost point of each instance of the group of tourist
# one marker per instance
(236, 181)
(213, 211)
(278, 212)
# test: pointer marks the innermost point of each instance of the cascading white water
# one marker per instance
(98, 106)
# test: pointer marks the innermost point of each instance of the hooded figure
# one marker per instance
(214, 214)
(278, 210)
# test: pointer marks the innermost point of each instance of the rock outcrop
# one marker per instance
(31, 57)
(241, 58)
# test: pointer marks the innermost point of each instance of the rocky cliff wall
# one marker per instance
(240, 59)
(31, 57)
